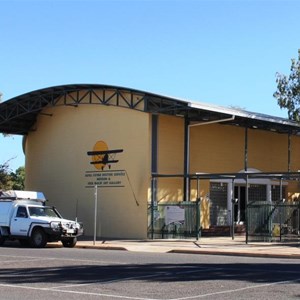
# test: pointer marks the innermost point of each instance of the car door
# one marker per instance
(20, 222)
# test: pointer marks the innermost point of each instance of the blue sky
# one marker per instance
(222, 52)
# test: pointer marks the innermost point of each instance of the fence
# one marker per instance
(174, 220)
(273, 221)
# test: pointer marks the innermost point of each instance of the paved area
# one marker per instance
(76, 274)
(205, 245)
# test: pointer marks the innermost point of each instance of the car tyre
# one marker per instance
(69, 242)
(38, 238)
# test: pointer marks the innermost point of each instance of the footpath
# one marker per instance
(205, 245)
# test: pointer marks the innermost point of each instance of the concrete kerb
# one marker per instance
(238, 253)
(208, 246)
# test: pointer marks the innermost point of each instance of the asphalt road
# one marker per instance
(56, 273)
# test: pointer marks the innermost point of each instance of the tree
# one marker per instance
(11, 180)
(288, 90)
(5, 180)
(18, 179)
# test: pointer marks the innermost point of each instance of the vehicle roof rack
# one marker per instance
(22, 195)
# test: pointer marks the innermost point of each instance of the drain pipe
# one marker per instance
(187, 147)
(213, 122)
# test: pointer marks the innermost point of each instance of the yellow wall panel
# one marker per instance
(268, 151)
(216, 148)
(170, 145)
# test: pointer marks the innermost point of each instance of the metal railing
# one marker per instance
(273, 221)
(174, 220)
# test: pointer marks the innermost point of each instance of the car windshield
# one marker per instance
(43, 212)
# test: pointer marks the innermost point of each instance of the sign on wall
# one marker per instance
(113, 178)
(103, 158)
(174, 214)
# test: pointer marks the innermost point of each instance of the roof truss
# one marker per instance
(18, 115)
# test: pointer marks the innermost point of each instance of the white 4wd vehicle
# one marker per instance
(24, 216)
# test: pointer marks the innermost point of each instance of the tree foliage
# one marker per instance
(4, 178)
(11, 180)
(288, 90)
(18, 179)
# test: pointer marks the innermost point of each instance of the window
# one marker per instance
(218, 202)
(22, 212)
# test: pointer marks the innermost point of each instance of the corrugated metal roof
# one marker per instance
(18, 115)
(244, 113)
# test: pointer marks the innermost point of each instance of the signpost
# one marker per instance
(95, 217)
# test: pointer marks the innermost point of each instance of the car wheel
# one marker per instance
(38, 238)
(69, 243)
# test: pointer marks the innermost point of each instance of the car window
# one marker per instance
(42, 212)
(22, 212)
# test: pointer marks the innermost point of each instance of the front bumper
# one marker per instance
(65, 230)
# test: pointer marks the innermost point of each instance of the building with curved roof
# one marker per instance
(139, 149)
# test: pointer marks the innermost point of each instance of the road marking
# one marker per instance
(237, 290)
(15, 261)
(76, 292)
(63, 259)
(57, 289)
(142, 298)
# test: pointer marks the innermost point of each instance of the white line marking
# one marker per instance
(237, 290)
(20, 261)
(65, 259)
(74, 292)
(141, 298)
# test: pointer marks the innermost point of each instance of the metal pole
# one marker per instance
(280, 209)
(198, 212)
(198, 188)
(152, 207)
(186, 182)
(246, 150)
(232, 209)
(154, 168)
(198, 217)
(289, 152)
(298, 227)
(246, 215)
(76, 210)
(95, 216)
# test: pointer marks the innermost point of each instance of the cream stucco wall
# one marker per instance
(57, 164)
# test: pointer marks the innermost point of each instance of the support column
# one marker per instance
(154, 169)
(232, 209)
(246, 215)
(186, 168)
(154, 144)
(289, 152)
(247, 192)
(230, 196)
(246, 150)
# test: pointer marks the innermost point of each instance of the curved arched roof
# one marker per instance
(18, 115)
